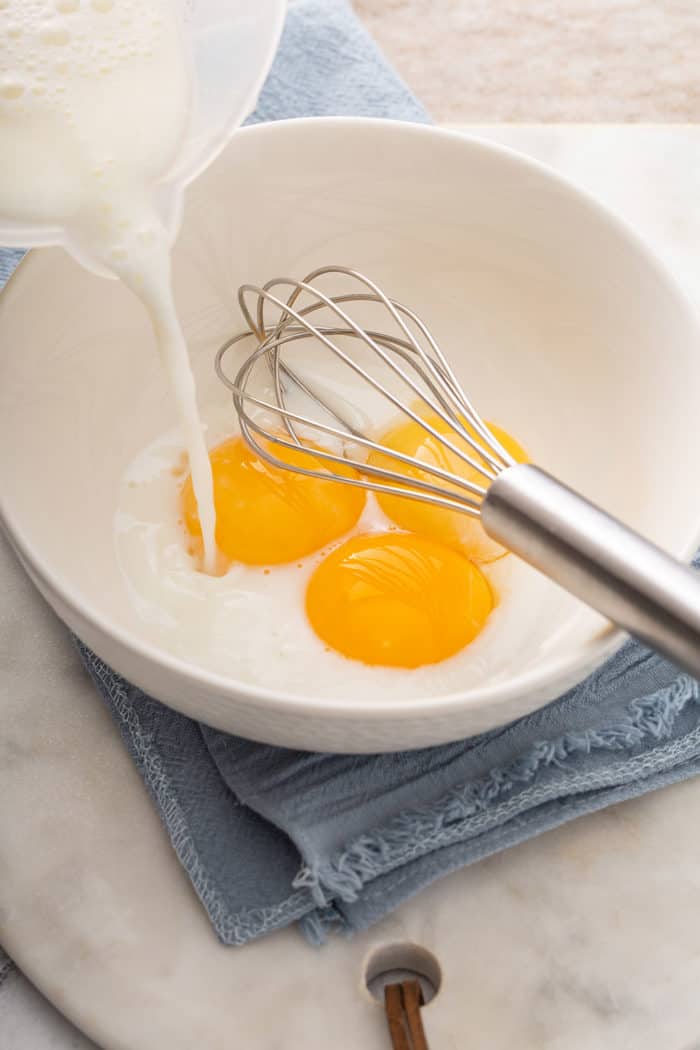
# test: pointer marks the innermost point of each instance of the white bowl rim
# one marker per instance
(565, 668)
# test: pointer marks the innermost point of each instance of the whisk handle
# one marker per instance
(598, 559)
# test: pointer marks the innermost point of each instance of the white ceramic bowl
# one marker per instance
(555, 314)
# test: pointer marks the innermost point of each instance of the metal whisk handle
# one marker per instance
(610, 567)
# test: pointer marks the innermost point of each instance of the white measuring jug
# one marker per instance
(229, 46)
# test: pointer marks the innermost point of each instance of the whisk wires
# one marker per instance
(406, 369)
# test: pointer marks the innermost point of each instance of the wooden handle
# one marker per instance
(402, 1003)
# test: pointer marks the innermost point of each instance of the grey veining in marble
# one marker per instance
(585, 938)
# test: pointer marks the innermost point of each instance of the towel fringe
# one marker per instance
(426, 828)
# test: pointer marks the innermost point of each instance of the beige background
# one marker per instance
(545, 60)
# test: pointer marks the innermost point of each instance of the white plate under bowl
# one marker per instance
(555, 315)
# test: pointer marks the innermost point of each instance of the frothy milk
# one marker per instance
(94, 105)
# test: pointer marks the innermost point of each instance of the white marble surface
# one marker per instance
(584, 938)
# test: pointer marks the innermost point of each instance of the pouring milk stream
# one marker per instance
(95, 101)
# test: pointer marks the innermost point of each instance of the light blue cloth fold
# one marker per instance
(270, 836)
(9, 257)
(5, 967)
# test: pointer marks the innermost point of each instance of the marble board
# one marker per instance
(587, 937)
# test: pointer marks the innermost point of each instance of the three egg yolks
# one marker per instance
(393, 599)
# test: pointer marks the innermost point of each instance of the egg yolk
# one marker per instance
(397, 600)
(267, 515)
(448, 526)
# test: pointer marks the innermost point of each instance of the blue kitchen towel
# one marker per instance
(270, 836)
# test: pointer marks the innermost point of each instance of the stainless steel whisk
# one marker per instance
(598, 559)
